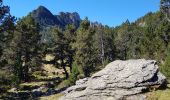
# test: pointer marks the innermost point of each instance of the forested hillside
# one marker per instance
(79, 47)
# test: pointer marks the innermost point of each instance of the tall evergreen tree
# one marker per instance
(60, 49)
(6, 29)
(104, 44)
(27, 46)
(165, 8)
(70, 35)
(85, 53)
(123, 36)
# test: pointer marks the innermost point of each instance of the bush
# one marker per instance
(5, 77)
(5, 81)
(72, 79)
(165, 68)
(64, 84)
(74, 74)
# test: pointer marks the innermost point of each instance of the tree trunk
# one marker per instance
(102, 55)
(64, 67)
(125, 54)
(70, 63)
(25, 60)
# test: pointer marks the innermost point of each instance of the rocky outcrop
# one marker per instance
(118, 80)
(68, 18)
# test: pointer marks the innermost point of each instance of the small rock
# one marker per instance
(50, 85)
(50, 91)
(13, 90)
(82, 81)
(38, 92)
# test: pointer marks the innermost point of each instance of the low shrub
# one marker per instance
(165, 68)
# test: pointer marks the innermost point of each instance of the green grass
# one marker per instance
(63, 84)
(159, 94)
(154, 95)
(33, 84)
(45, 78)
(28, 86)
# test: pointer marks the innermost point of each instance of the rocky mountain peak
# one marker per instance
(45, 18)
(43, 9)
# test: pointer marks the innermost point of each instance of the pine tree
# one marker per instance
(85, 53)
(69, 35)
(165, 8)
(60, 49)
(104, 44)
(27, 45)
(6, 30)
(122, 40)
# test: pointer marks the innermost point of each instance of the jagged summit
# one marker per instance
(42, 8)
(45, 18)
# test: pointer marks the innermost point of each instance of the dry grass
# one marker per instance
(49, 57)
(51, 69)
(33, 84)
(52, 97)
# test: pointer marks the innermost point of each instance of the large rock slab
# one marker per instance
(118, 80)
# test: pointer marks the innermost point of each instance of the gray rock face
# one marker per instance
(118, 80)
(45, 18)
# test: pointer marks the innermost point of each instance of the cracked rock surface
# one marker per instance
(118, 80)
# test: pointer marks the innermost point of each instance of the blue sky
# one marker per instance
(108, 12)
